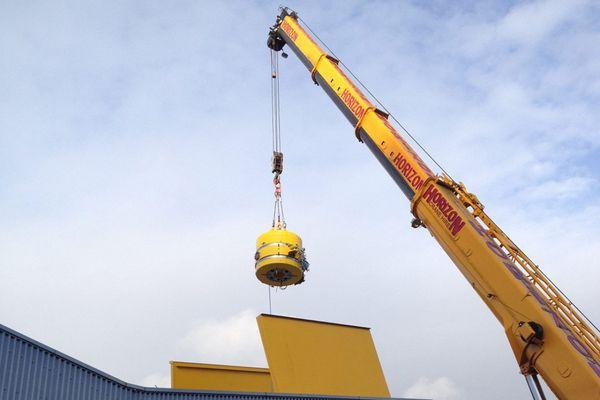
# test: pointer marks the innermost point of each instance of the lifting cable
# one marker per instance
(384, 108)
(277, 160)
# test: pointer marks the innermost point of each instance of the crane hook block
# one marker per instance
(280, 259)
(277, 163)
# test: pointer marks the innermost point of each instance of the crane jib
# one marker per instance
(389, 167)
(519, 294)
(403, 168)
(400, 169)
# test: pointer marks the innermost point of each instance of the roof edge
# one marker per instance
(313, 320)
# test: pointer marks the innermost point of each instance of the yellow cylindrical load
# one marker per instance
(280, 259)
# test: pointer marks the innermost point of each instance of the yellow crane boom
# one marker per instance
(547, 333)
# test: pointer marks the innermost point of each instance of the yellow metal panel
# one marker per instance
(313, 357)
(186, 375)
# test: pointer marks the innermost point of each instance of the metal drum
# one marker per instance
(280, 259)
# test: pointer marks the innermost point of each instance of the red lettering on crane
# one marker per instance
(352, 104)
(452, 219)
(409, 149)
(287, 28)
(408, 172)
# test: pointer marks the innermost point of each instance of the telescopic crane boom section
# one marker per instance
(549, 336)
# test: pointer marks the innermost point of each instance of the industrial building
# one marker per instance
(31, 370)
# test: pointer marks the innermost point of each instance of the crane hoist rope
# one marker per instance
(277, 159)
(280, 258)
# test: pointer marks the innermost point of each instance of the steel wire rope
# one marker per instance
(275, 108)
(270, 307)
(278, 213)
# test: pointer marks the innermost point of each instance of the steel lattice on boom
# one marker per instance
(548, 334)
(280, 258)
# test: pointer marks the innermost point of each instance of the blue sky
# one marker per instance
(134, 161)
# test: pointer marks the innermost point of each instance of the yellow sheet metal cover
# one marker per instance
(313, 357)
(185, 375)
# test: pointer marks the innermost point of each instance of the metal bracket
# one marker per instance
(321, 57)
(362, 117)
(418, 195)
(532, 334)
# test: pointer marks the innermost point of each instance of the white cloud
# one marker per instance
(436, 389)
(565, 189)
(232, 340)
(530, 22)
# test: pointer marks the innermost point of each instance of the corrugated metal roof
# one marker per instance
(31, 370)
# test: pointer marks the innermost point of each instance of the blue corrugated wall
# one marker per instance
(30, 370)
